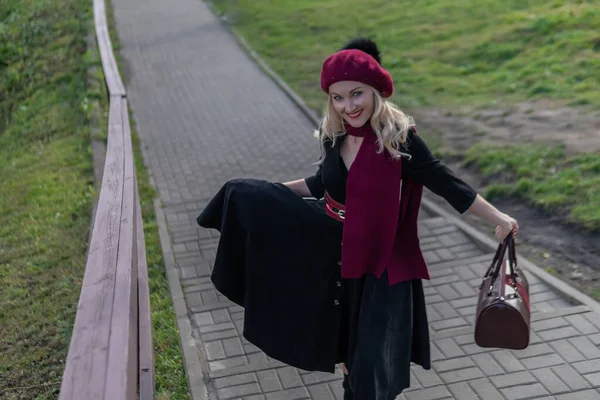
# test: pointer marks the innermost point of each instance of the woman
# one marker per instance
(339, 279)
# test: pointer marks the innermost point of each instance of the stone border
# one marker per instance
(485, 242)
(191, 352)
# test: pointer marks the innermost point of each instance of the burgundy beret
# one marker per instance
(356, 65)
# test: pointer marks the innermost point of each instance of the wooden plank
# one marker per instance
(85, 369)
(122, 366)
(109, 63)
(146, 349)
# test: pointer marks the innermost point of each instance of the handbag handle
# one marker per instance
(497, 263)
(497, 258)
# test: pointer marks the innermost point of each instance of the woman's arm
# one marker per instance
(299, 187)
(424, 168)
(505, 223)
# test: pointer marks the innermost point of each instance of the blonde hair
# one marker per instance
(391, 125)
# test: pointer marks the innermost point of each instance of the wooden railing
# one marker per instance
(111, 352)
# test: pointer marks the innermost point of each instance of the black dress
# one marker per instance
(279, 258)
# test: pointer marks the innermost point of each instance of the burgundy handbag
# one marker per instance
(503, 309)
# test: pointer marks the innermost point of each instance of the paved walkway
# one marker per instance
(206, 113)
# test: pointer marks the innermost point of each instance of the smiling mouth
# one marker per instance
(355, 114)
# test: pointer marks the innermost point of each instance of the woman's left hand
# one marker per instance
(506, 227)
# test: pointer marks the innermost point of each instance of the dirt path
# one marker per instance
(577, 128)
(562, 249)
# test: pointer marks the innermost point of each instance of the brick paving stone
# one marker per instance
(320, 392)
(462, 391)
(269, 381)
(216, 327)
(513, 379)
(434, 393)
(203, 319)
(594, 379)
(524, 391)
(235, 380)
(547, 360)
(432, 314)
(595, 338)
(233, 347)
(255, 397)
(586, 366)
(449, 348)
(291, 394)
(487, 364)
(586, 347)
(226, 334)
(583, 395)
(533, 350)
(449, 323)
(461, 375)
(464, 339)
(567, 351)
(436, 354)
(485, 390)
(214, 350)
(289, 377)
(559, 333)
(570, 377)
(547, 324)
(507, 361)
(472, 349)
(227, 363)
(318, 377)
(453, 364)
(581, 324)
(238, 391)
(426, 378)
(550, 381)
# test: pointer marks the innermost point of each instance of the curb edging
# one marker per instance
(191, 353)
(571, 294)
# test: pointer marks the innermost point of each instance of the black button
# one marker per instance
(339, 263)
(339, 283)
(336, 302)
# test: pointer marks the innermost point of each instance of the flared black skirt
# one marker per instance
(279, 258)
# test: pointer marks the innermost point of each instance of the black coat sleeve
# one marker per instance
(315, 184)
(427, 170)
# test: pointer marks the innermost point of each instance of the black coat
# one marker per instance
(278, 257)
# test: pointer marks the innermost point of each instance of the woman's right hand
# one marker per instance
(506, 227)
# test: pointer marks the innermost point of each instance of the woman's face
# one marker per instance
(353, 101)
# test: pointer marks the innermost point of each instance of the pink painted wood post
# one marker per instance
(121, 378)
(109, 63)
(85, 369)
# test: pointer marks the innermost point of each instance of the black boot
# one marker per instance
(348, 395)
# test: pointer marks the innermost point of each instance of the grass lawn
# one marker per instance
(46, 198)
(440, 52)
(546, 177)
(46, 187)
(450, 53)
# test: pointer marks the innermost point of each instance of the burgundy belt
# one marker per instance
(334, 209)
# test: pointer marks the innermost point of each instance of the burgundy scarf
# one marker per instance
(372, 207)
